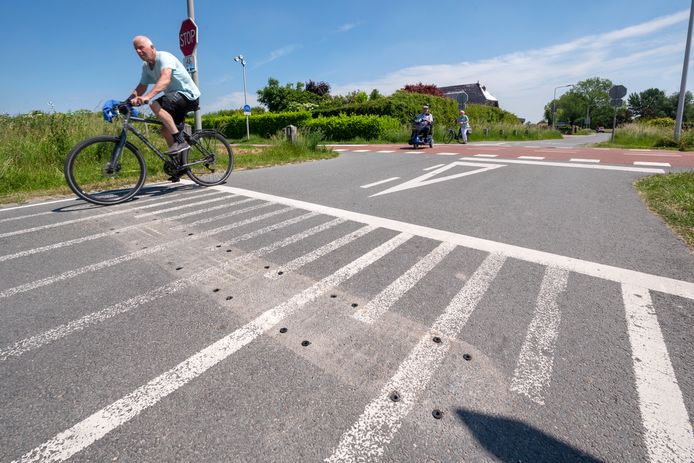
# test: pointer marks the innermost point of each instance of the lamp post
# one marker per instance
(240, 59)
(554, 104)
(683, 84)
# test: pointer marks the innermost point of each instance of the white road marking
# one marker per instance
(653, 164)
(386, 298)
(83, 434)
(385, 151)
(361, 151)
(223, 216)
(646, 170)
(413, 152)
(177, 208)
(584, 160)
(534, 368)
(667, 429)
(433, 167)
(340, 150)
(91, 217)
(447, 154)
(42, 339)
(380, 182)
(269, 228)
(128, 257)
(535, 158)
(381, 419)
(317, 253)
(5, 209)
(486, 155)
(427, 179)
(654, 155)
(584, 267)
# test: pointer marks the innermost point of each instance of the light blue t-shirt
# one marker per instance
(180, 79)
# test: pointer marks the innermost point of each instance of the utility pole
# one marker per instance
(191, 16)
(683, 85)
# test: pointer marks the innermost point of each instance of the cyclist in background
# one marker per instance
(169, 76)
(464, 122)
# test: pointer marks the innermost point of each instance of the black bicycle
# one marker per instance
(109, 170)
(454, 133)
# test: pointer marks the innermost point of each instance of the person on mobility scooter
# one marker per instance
(422, 129)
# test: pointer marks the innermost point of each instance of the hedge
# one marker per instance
(345, 127)
(265, 124)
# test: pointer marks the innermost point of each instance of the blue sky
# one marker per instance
(76, 54)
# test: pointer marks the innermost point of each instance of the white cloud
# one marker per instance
(639, 57)
(278, 53)
(230, 101)
(348, 27)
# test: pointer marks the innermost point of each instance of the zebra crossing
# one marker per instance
(293, 263)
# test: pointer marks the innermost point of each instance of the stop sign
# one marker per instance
(188, 37)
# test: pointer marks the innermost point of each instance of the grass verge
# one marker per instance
(671, 196)
(646, 136)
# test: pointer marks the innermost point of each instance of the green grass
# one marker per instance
(646, 136)
(671, 196)
(33, 148)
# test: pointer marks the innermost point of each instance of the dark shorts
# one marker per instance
(177, 105)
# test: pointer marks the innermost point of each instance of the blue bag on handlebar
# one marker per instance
(110, 109)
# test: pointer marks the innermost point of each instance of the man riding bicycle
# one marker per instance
(169, 76)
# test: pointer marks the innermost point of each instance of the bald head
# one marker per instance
(144, 48)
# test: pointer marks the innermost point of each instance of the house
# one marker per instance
(477, 94)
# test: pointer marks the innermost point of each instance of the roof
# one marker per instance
(477, 93)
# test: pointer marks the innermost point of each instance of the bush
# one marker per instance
(345, 127)
(666, 122)
(265, 125)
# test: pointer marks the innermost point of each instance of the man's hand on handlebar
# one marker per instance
(138, 101)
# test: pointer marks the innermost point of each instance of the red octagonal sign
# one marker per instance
(188, 37)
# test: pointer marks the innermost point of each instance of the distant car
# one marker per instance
(600, 130)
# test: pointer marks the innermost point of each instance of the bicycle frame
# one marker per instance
(127, 127)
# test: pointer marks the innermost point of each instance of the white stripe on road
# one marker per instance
(535, 158)
(412, 152)
(369, 185)
(317, 253)
(534, 368)
(269, 228)
(92, 217)
(361, 151)
(646, 170)
(128, 257)
(433, 167)
(226, 215)
(653, 164)
(448, 154)
(486, 155)
(667, 429)
(176, 208)
(83, 434)
(654, 155)
(382, 303)
(39, 340)
(340, 150)
(607, 272)
(381, 419)
(385, 151)
(584, 160)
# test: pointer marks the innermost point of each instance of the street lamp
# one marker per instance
(554, 104)
(240, 59)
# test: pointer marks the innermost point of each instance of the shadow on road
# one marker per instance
(511, 440)
(145, 192)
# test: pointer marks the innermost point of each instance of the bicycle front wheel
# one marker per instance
(92, 177)
(209, 161)
(449, 136)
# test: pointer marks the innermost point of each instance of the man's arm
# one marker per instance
(160, 86)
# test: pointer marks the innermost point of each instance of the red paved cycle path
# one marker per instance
(613, 156)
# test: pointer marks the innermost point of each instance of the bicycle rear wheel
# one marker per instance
(91, 176)
(211, 158)
(449, 136)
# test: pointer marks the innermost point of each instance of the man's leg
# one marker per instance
(169, 127)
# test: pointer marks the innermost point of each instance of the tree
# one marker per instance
(595, 96)
(287, 97)
(357, 96)
(375, 95)
(427, 89)
(649, 104)
(321, 88)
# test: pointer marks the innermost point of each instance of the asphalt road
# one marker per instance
(374, 307)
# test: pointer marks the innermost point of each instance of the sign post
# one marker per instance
(188, 41)
(616, 94)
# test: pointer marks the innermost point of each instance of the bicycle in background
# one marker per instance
(108, 170)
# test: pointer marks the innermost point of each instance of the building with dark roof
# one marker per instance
(477, 94)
